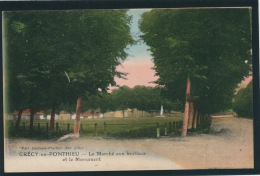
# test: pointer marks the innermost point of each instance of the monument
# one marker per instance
(161, 112)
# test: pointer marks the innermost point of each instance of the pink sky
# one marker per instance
(139, 73)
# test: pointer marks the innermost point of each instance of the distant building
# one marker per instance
(91, 115)
(39, 115)
(25, 115)
(57, 117)
(84, 115)
(64, 116)
(129, 113)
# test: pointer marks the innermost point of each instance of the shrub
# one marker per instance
(243, 102)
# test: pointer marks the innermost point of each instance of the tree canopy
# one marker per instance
(211, 46)
(53, 57)
(87, 45)
(142, 98)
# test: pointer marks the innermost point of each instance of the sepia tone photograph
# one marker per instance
(128, 89)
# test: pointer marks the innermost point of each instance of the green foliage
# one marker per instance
(208, 45)
(142, 98)
(123, 98)
(55, 56)
(147, 98)
(243, 102)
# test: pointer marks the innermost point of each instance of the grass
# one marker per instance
(116, 128)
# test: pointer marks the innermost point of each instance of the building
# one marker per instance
(25, 115)
(64, 116)
(84, 115)
(129, 113)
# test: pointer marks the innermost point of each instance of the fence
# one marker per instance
(107, 129)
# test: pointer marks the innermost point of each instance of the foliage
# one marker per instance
(140, 97)
(123, 98)
(208, 45)
(55, 56)
(243, 102)
(147, 98)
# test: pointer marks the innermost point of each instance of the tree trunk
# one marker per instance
(199, 117)
(78, 112)
(195, 118)
(191, 115)
(32, 111)
(186, 112)
(52, 120)
(17, 125)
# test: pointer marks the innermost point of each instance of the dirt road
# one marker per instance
(230, 146)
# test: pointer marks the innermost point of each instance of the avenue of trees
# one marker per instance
(58, 58)
(142, 98)
(200, 56)
(66, 60)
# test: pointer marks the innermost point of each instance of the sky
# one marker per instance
(139, 63)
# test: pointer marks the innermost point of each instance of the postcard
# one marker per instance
(128, 89)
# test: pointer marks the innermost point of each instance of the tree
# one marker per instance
(123, 98)
(140, 97)
(97, 49)
(203, 49)
(64, 55)
(34, 78)
(147, 98)
(243, 101)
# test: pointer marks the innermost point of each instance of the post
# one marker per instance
(199, 118)
(57, 126)
(39, 126)
(47, 127)
(195, 122)
(31, 119)
(53, 109)
(165, 129)
(170, 127)
(95, 129)
(191, 116)
(158, 130)
(68, 126)
(23, 125)
(81, 127)
(105, 129)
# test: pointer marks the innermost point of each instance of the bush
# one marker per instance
(243, 102)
